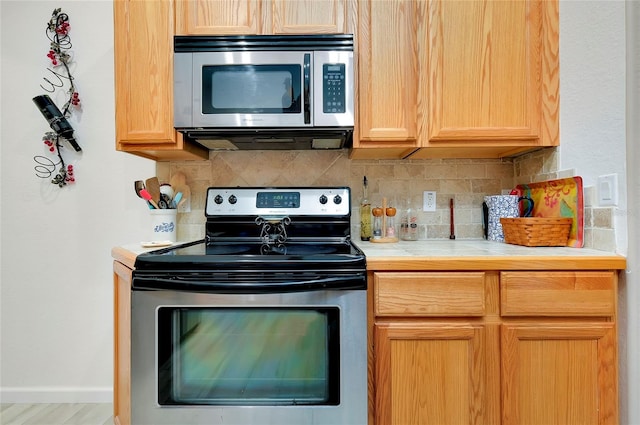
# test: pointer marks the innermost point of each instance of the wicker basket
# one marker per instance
(536, 231)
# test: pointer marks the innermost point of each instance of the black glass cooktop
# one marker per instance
(220, 255)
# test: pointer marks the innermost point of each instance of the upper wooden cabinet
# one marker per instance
(392, 77)
(436, 79)
(262, 16)
(494, 72)
(143, 48)
(466, 79)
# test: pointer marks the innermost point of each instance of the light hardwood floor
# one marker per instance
(56, 414)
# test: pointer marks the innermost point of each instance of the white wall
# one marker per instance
(592, 96)
(630, 346)
(56, 298)
(594, 141)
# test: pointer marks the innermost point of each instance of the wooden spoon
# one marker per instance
(177, 179)
(186, 194)
(153, 187)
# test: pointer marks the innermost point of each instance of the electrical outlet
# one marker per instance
(429, 201)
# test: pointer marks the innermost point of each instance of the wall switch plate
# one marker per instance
(608, 190)
(429, 201)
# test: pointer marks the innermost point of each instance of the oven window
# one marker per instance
(248, 356)
(251, 89)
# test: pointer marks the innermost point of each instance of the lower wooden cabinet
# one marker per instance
(122, 276)
(559, 373)
(517, 347)
(435, 373)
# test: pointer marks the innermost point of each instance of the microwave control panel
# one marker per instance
(333, 90)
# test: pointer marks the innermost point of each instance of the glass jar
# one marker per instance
(409, 224)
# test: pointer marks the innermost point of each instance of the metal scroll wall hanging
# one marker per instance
(53, 166)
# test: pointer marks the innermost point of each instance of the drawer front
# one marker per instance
(429, 294)
(558, 293)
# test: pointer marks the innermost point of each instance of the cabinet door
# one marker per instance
(144, 71)
(392, 75)
(494, 70)
(436, 373)
(213, 17)
(143, 50)
(309, 16)
(559, 373)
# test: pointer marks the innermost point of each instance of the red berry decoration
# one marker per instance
(58, 34)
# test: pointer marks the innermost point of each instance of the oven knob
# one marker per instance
(233, 199)
(337, 199)
(218, 199)
(323, 199)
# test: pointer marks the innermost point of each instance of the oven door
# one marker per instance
(279, 358)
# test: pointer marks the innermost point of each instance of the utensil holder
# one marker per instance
(163, 225)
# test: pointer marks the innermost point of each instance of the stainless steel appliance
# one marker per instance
(262, 322)
(265, 92)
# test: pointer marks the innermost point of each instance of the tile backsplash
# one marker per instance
(466, 181)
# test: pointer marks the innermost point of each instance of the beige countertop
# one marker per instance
(457, 255)
(483, 255)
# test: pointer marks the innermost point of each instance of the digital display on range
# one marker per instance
(278, 200)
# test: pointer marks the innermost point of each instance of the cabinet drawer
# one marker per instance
(429, 294)
(557, 293)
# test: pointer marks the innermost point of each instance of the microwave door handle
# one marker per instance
(306, 89)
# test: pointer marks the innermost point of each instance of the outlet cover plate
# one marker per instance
(429, 201)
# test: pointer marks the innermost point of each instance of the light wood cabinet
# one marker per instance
(143, 48)
(457, 79)
(213, 17)
(432, 373)
(392, 77)
(143, 54)
(435, 338)
(495, 76)
(559, 348)
(560, 373)
(511, 347)
(122, 276)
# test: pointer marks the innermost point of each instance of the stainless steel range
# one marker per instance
(262, 322)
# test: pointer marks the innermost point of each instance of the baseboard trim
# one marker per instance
(56, 394)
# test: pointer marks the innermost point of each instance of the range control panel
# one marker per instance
(278, 201)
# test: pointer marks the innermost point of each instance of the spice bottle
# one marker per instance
(365, 213)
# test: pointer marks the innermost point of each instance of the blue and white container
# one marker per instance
(164, 224)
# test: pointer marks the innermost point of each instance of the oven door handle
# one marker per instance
(357, 281)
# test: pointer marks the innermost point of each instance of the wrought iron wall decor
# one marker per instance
(59, 76)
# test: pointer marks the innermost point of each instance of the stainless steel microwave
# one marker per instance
(264, 92)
